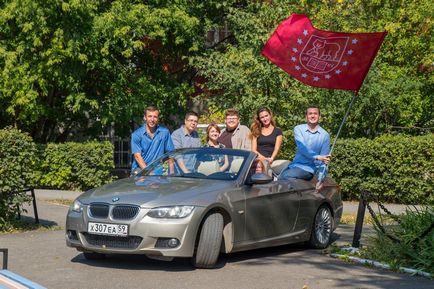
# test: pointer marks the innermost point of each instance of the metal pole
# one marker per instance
(5, 258)
(343, 121)
(35, 208)
(359, 220)
(318, 185)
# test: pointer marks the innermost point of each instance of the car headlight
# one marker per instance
(77, 206)
(174, 212)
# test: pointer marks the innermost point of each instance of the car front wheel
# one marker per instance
(322, 228)
(208, 246)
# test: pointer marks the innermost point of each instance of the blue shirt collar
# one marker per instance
(145, 132)
(318, 129)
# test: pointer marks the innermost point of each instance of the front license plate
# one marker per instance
(107, 229)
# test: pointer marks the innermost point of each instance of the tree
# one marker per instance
(75, 67)
(397, 92)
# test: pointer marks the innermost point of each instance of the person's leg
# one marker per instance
(295, 173)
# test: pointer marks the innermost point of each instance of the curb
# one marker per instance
(378, 264)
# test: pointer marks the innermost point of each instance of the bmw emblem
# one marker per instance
(115, 199)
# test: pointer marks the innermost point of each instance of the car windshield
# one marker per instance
(204, 163)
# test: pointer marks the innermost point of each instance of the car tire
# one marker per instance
(208, 247)
(322, 228)
(93, 256)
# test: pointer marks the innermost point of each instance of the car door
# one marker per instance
(271, 209)
(235, 202)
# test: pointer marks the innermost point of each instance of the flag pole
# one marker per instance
(343, 121)
(323, 169)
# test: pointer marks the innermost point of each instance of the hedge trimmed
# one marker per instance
(76, 166)
(397, 169)
(18, 156)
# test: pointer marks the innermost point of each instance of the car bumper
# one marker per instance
(146, 235)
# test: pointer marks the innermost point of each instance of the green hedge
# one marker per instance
(18, 157)
(76, 166)
(398, 169)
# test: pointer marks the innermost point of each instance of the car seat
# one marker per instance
(208, 167)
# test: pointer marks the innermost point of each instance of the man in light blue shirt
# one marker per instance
(313, 148)
(187, 137)
(149, 141)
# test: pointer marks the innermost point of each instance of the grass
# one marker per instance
(407, 249)
(20, 226)
(350, 219)
(63, 202)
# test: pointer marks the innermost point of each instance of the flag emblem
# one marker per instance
(322, 55)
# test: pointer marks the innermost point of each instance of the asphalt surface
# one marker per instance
(44, 258)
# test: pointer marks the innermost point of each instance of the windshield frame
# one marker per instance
(246, 155)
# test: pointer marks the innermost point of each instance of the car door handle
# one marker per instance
(241, 212)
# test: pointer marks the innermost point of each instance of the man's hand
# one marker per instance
(325, 159)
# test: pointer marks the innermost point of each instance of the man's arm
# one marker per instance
(247, 141)
(182, 166)
(169, 145)
(140, 161)
(136, 149)
(325, 150)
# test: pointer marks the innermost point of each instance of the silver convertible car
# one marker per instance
(216, 203)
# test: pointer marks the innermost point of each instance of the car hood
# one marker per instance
(153, 191)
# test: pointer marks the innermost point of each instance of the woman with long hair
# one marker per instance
(266, 137)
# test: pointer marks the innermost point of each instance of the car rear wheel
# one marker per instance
(322, 228)
(208, 246)
(93, 256)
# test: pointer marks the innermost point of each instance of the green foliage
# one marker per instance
(79, 66)
(76, 166)
(18, 159)
(214, 114)
(395, 169)
(397, 93)
(417, 254)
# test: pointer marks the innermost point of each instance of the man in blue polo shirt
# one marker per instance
(313, 148)
(149, 141)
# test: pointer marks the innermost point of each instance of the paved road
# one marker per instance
(44, 258)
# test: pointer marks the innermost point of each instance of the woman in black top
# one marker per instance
(266, 137)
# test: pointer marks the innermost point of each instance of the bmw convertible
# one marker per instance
(201, 202)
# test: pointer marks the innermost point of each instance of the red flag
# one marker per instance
(322, 58)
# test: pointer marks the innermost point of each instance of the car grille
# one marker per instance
(125, 212)
(131, 242)
(99, 210)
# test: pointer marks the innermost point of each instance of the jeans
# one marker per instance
(295, 173)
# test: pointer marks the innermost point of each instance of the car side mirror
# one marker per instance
(260, 178)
